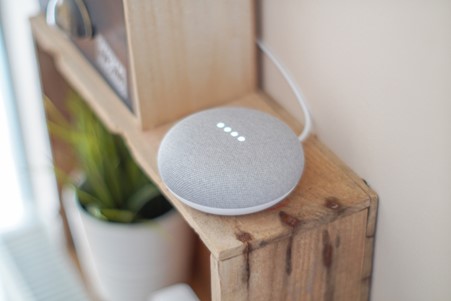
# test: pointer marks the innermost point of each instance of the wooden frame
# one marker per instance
(315, 245)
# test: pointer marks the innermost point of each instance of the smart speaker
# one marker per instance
(234, 161)
(230, 161)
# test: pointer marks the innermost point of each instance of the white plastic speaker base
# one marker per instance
(230, 161)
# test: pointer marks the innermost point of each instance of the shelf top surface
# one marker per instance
(327, 191)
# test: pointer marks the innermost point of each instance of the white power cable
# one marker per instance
(294, 87)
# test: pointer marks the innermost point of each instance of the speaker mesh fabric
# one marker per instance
(203, 162)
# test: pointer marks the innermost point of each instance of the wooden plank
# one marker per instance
(200, 279)
(186, 55)
(321, 264)
(367, 269)
(362, 183)
(370, 227)
(326, 192)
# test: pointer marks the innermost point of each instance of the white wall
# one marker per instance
(377, 75)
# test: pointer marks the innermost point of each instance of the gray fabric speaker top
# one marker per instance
(230, 161)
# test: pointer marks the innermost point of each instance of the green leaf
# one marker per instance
(141, 197)
(63, 177)
(87, 199)
(116, 187)
(96, 212)
(119, 216)
(54, 113)
(65, 134)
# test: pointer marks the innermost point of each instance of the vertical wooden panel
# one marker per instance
(189, 54)
(322, 264)
(367, 269)
(200, 279)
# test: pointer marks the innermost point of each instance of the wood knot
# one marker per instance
(244, 237)
(366, 183)
(263, 243)
(366, 278)
(289, 220)
(333, 203)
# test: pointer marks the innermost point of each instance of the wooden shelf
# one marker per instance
(330, 215)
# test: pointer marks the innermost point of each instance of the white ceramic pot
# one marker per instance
(127, 262)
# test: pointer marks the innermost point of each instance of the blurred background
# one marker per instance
(377, 77)
(27, 180)
(30, 226)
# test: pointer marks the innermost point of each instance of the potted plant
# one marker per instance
(129, 239)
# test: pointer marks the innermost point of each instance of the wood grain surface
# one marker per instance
(186, 55)
(320, 264)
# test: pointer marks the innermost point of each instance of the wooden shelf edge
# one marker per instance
(328, 190)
